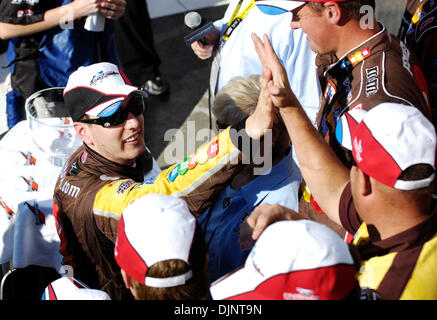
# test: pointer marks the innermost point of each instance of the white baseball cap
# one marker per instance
(97, 90)
(292, 260)
(155, 228)
(388, 139)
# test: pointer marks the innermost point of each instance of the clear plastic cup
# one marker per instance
(52, 128)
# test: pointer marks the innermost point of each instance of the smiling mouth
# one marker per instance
(133, 138)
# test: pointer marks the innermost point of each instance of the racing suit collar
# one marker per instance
(93, 162)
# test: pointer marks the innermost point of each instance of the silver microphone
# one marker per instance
(201, 28)
(193, 20)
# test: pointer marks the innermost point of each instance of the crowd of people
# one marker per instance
(318, 186)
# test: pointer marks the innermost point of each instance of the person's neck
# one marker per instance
(394, 220)
(353, 35)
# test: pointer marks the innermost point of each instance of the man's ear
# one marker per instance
(82, 131)
(364, 183)
(333, 12)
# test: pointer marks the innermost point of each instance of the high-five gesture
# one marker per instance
(279, 89)
(262, 118)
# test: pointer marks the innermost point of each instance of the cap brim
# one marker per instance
(108, 107)
(271, 6)
(239, 284)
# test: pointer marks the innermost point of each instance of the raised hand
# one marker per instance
(279, 88)
(263, 116)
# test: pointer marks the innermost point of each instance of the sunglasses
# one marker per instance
(275, 7)
(271, 10)
(135, 104)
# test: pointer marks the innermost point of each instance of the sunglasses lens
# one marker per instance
(270, 10)
(136, 106)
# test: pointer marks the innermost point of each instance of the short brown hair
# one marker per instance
(351, 7)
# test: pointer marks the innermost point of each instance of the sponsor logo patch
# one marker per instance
(372, 81)
(124, 186)
(330, 91)
(30, 160)
(100, 76)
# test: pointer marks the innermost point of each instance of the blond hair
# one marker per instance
(238, 99)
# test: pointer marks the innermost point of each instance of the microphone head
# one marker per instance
(193, 20)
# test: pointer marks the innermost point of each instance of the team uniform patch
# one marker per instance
(124, 186)
(330, 91)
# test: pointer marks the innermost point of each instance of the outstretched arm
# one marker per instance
(323, 172)
(112, 9)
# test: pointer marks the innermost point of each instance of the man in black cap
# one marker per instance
(108, 116)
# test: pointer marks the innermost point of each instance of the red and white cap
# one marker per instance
(68, 288)
(292, 260)
(155, 228)
(97, 90)
(388, 139)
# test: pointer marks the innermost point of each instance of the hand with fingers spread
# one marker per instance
(279, 88)
(260, 219)
(112, 9)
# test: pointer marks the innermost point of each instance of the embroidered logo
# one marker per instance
(330, 91)
(347, 88)
(406, 57)
(8, 210)
(70, 190)
(124, 186)
(100, 76)
(30, 160)
(31, 184)
(372, 81)
(301, 294)
(358, 150)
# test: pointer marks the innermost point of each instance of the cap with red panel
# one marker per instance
(388, 139)
(292, 260)
(155, 228)
(68, 288)
(97, 90)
